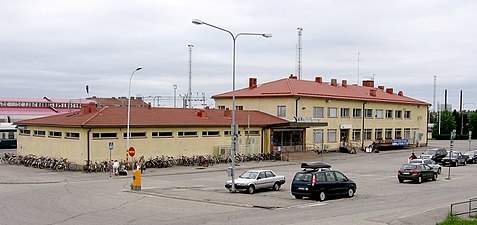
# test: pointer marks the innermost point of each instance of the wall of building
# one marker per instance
(417, 123)
(76, 149)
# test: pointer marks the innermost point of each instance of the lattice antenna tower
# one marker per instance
(299, 52)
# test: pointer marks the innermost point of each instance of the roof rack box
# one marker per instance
(314, 165)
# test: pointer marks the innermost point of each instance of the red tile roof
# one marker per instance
(155, 117)
(292, 87)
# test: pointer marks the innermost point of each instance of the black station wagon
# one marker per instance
(318, 181)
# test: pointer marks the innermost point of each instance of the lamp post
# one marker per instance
(129, 110)
(175, 90)
(234, 126)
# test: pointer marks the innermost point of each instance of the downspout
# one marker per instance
(296, 107)
(262, 137)
(362, 130)
(87, 163)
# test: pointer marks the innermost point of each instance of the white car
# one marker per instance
(252, 180)
(435, 166)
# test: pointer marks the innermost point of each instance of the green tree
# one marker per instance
(473, 123)
(448, 123)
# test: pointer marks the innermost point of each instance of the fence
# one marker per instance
(458, 208)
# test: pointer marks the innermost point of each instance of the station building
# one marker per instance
(154, 132)
(355, 116)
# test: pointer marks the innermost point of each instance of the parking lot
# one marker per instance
(189, 194)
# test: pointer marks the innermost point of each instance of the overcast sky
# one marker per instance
(56, 48)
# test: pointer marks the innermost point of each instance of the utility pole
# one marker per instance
(190, 76)
(299, 52)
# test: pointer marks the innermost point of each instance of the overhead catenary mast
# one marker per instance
(189, 99)
(299, 53)
(358, 70)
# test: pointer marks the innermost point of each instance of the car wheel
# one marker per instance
(298, 196)
(251, 189)
(276, 186)
(322, 196)
(434, 177)
(401, 180)
(465, 162)
(350, 192)
(419, 180)
(439, 170)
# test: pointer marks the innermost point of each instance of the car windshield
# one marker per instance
(303, 177)
(430, 152)
(249, 175)
(408, 167)
(469, 153)
(454, 154)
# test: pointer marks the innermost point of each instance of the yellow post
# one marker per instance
(136, 184)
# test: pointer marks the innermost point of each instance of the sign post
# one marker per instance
(132, 152)
(110, 146)
(450, 154)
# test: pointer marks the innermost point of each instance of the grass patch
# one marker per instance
(455, 220)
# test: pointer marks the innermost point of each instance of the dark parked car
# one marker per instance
(416, 173)
(472, 156)
(456, 159)
(317, 180)
(435, 154)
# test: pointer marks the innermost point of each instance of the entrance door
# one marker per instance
(344, 137)
(291, 139)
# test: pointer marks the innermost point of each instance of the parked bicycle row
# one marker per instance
(62, 164)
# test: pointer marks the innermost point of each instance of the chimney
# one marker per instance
(319, 79)
(201, 113)
(344, 83)
(292, 76)
(334, 82)
(368, 83)
(389, 90)
(227, 113)
(373, 92)
(88, 108)
(400, 93)
(252, 82)
(381, 87)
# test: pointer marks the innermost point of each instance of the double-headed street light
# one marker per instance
(234, 126)
(129, 108)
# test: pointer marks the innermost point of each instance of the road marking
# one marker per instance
(302, 206)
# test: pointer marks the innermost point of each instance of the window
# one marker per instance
(25, 132)
(367, 134)
(330, 176)
(252, 132)
(332, 112)
(211, 133)
(407, 114)
(72, 135)
(317, 135)
(229, 133)
(378, 134)
(239, 107)
(318, 112)
(388, 133)
(221, 107)
(398, 133)
(407, 133)
(54, 134)
(104, 135)
(135, 135)
(368, 113)
(345, 112)
(39, 133)
(356, 134)
(389, 114)
(357, 113)
(398, 114)
(187, 134)
(332, 135)
(281, 111)
(162, 134)
(379, 114)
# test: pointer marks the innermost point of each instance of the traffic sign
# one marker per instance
(132, 151)
(111, 146)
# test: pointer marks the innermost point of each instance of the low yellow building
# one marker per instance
(171, 132)
(356, 116)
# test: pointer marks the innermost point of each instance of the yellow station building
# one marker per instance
(355, 116)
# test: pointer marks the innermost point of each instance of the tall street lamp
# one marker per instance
(129, 109)
(234, 126)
